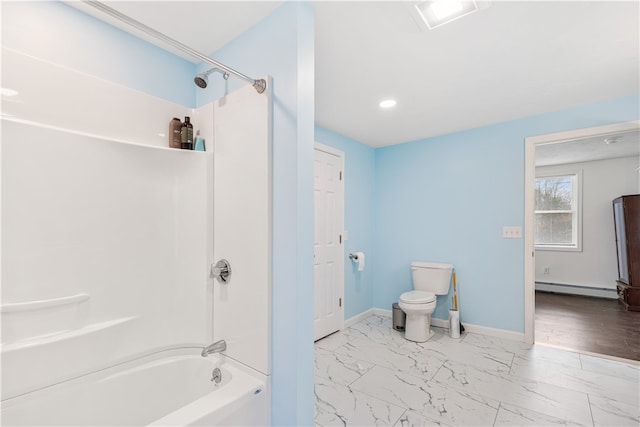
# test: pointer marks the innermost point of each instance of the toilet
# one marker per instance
(429, 279)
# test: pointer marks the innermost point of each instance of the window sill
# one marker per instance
(573, 248)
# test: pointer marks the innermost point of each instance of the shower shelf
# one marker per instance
(66, 335)
(42, 304)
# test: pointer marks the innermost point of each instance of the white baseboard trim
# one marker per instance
(440, 323)
(358, 317)
(493, 332)
(577, 290)
(382, 312)
(443, 323)
(482, 330)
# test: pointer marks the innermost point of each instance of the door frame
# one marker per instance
(529, 205)
(340, 154)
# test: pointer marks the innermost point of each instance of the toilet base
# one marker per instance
(418, 328)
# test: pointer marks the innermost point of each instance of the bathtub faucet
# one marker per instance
(216, 347)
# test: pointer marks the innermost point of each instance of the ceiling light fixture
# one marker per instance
(439, 12)
(388, 103)
(612, 140)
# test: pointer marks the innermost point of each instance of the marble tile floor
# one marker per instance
(369, 375)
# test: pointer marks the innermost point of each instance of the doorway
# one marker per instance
(582, 142)
(328, 246)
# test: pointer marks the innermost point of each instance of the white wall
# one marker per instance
(595, 265)
(242, 225)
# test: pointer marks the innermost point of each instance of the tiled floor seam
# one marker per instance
(361, 375)
(436, 373)
(497, 412)
(593, 421)
(488, 396)
(386, 401)
(376, 397)
(400, 417)
(511, 364)
(547, 382)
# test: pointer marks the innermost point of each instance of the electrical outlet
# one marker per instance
(512, 232)
(546, 270)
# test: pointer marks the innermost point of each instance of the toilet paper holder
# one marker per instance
(358, 258)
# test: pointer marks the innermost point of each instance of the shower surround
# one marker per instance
(108, 237)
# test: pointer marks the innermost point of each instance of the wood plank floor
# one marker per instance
(597, 325)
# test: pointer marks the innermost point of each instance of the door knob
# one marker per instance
(221, 271)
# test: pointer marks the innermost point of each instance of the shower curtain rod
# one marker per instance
(260, 85)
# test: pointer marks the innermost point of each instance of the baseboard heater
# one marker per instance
(577, 290)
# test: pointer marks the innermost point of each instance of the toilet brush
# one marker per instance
(455, 298)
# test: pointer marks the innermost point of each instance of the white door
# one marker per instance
(328, 186)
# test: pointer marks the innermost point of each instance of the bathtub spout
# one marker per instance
(216, 347)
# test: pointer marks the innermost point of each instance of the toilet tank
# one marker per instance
(431, 277)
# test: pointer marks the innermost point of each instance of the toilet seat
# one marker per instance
(417, 297)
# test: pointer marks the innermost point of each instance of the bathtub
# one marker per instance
(168, 388)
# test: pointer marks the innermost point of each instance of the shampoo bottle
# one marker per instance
(186, 134)
(175, 126)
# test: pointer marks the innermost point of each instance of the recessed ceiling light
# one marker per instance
(612, 140)
(439, 12)
(388, 103)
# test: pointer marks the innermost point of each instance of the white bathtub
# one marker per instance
(171, 387)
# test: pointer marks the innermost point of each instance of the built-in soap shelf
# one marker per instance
(65, 335)
(31, 321)
(36, 362)
(102, 137)
(43, 303)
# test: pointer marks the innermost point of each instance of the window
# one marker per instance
(557, 212)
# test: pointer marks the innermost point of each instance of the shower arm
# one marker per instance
(260, 85)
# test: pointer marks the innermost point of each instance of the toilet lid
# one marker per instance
(417, 297)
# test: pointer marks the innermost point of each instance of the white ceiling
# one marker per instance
(210, 24)
(589, 149)
(507, 61)
(511, 60)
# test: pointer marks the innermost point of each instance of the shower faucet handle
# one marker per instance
(221, 271)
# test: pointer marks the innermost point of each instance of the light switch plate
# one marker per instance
(512, 232)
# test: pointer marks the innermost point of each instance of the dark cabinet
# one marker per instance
(626, 215)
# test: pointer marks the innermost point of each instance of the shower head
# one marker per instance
(201, 79)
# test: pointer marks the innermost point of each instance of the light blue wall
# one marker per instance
(282, 46)
(445, 199)
(58, 33)
(359, 180)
